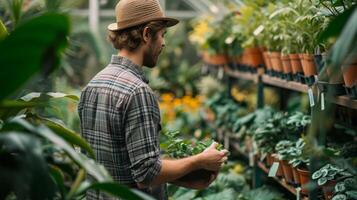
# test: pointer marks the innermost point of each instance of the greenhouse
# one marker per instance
(178, 99)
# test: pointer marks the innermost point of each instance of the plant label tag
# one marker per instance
(322, 101)
(311, 97)
(251, 159)
(220, 73)
(298, 189)
(258, 30)
(273, 169)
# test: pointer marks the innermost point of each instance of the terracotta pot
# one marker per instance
(270, 160)
(279, 173)
(267, 60)
(350, 73)
(336, 77)
(237, 59)
(254, 56)
(217, 59)
(304, 175)
(308, 65)
(275, 58)
(296, 176)
(295, 63)
(328, 189)
(286, 64)
(288, 173)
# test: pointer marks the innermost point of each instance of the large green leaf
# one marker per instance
(66, 133)
(23, 168)
(3, 31)
(32, 47)
(37, 96)
(113, 189)
(336, 25)
(97, 171)
(10, 108)
(346, 45)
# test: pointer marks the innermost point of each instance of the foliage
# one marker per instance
(263, 193)
(39, 154)
(345, 189)
(176, 147)
(284, 149)
(329, 172)
(227, 186)
(298, 154)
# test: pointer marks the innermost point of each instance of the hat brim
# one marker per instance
(170, 22)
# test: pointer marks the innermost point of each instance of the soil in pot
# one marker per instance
(304, 175)
(217, 59)
(270, 160)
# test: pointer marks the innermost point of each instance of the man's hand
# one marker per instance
(212, 159)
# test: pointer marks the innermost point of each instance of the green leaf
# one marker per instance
(23, 169)
(36, 96)
(43, 39)
(67, 134)
(336, 25)
(346, 43)
(95, 170)
(3, 31)
(114, 189)
(10, 108)
(322, 181)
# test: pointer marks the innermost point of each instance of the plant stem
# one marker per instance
(76, 184)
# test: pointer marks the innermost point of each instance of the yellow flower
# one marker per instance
(238, 168)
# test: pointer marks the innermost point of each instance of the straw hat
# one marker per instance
(130, 13)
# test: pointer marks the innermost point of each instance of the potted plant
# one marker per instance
(345, 189)
(327, 176)
(283, 149)
(175, 147)
(300, 162)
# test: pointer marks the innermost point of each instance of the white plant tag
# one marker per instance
(251, 159)
(220, 73)
(258, 30)
(322, 101)
(311, 97)
(298, 189)
(273, 169)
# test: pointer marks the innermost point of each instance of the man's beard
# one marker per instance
(150, 58)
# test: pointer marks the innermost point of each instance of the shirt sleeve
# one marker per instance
(142, 135)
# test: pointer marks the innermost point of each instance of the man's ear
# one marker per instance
(146, 34)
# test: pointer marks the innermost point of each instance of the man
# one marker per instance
(119, 112)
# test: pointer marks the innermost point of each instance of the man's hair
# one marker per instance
(131, 38)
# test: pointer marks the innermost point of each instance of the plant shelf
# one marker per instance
(280, 181)
(241, 75)
(291, 85)
(344, 101)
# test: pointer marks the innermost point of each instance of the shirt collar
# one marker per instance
(136, 69)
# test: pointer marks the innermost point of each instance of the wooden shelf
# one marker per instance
(241, 75)
(280, 181)
(291, 85)
(344, 101)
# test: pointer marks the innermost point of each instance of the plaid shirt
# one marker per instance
(120, 118)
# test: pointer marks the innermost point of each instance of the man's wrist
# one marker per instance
(196, 161)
